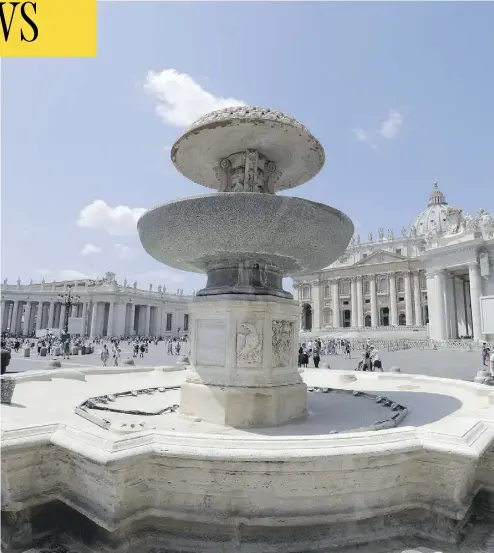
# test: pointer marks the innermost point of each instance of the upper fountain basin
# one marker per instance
(199, 233)
(296, 156)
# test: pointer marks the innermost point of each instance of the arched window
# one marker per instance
(383, 284)
(366, 287)
(400, 285)
(402, 319)
(327, 291)
(368, 320)
(344, 288)
(306, 293)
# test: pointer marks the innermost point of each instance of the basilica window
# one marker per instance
(306, 293)
(400, 285)
(327, 291)
(169, 318)
(344, 288)
(398, 251)
(366, 287)
(382, 284)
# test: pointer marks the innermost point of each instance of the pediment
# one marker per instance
(381, 256)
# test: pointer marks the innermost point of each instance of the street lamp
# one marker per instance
(68, 300)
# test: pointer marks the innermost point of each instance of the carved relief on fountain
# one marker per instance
(248, 171)
(282, 343)
(249, 343)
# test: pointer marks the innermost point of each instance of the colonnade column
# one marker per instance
(51, 312)
(5, 315)
(475, 293)
(111, 316)
(84, 318)
(392, 300)
(13, 319)
(354, 302)
(147, 318)
(408, 299)
(27, 317)
(132, 319)
(61, 321)
(39, 316)
(94, 316)
(373, 293)
(440, 304)
(335, 296)
(360, 303)
(417, 295)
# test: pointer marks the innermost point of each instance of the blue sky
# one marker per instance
(398, 94)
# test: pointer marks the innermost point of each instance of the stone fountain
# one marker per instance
(246, 238)
(241, 453)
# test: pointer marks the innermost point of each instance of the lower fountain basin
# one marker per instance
(216, 232)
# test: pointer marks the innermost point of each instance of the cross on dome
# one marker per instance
(436, 197)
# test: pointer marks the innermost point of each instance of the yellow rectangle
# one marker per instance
(48, 29)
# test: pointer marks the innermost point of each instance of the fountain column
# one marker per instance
(246, 238)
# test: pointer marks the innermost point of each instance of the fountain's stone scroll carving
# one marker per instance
(282, 343)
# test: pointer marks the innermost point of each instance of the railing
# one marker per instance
(404, 344)
(397, 328)
(49, 288)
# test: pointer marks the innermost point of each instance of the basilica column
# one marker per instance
(373, 293)
(94, 318)
(360, 303)
(335, 297)
(440, 311)
(417, 295)
(27, 319)
(408, 299)
(354, 302)
(84, 318)
(475, 293)
(316, 299)
(111, 315)
(451, 309)
(392, 300)
(51, 312)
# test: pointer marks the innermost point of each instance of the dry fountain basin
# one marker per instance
(108, 462)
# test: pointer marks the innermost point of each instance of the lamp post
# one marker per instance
(68, 300)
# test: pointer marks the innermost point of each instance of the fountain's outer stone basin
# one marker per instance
(243, 357)
(215, 231)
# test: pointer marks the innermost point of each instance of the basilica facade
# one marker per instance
(100, 307)
(437, 275)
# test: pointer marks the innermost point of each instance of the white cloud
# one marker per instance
(391, 126)
(123, 252)
(181, 100)
(361, 135)
(120, 220)
(89, 249)
(388, 130)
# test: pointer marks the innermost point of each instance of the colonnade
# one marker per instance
(97, 318)
(389, 299)
(455, 303)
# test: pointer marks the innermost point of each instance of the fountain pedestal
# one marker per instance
(243, 359)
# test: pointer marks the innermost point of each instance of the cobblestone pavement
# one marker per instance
(444, 363)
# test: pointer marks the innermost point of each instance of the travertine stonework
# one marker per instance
(215, 490)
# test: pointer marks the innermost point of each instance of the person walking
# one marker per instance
(485, 354)
(116, 357)
(105, 354)
(316, 353)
